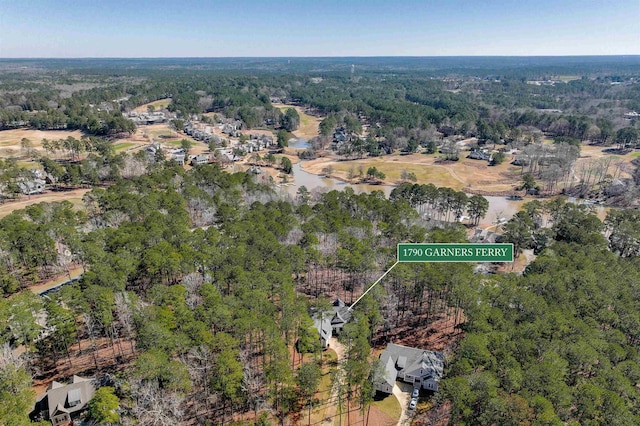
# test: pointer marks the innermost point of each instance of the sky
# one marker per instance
(293, 28)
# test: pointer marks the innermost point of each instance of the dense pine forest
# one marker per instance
(199, 285)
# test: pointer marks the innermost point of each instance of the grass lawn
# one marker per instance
(440, 176)
(390, 406)
(635, 154)
(568, 78)
(122, 146)
(30, 165)
(329, 364)
(177, 142)
(162, 133)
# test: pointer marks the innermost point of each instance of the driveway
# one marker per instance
(330, 412)
(402, 391)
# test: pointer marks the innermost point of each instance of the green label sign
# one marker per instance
(455, 252)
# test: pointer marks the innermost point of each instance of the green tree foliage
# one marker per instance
(528, 182)
(282, 138)
(104, 405)
(374, 173)
(286, 165)
(308, 340)
(624, 233)
(186, 145)
(627, 137)
(556, 345)
(155, 365)
(16, 396)
(290, 120)
(308, 379)
(328, 125)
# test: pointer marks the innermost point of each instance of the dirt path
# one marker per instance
(330, 411)
(73, 273)
(76, 194)
(402, 391)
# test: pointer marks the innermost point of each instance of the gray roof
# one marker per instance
(389, 373)
(324, 327)
(341, 313)
(59, 396)
(406, 359)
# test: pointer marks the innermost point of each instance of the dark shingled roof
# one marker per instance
(59, 396)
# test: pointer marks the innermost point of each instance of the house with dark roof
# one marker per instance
(341, 315)
(421, 368)
(63, 402)
(331, 322)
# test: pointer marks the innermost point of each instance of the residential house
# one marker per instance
(341, 315)
(62, 403)
(323, 325)
(144, 118)
(31, 186)
(199, 159)
(486, 236)
(480, 155)
(152, 150)
(178, 155)
(332, 322)
(421, 368)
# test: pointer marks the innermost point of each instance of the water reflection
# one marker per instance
(499, 207)
(298, 143)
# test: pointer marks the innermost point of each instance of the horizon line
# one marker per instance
(321, 56)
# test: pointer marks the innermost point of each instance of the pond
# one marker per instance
(298, 143)
(499, 207)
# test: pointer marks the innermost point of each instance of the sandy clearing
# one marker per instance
(74, 196)
(10, 140)
(14, 136)
(71, 274)
(158, 105)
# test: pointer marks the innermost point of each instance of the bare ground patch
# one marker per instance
(85, 360)
(157, 105)
(463, 174)
(74, 196)
(10, 140)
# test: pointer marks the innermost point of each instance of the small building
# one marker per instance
(199, 159)
(421, 368)
(62, 403)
